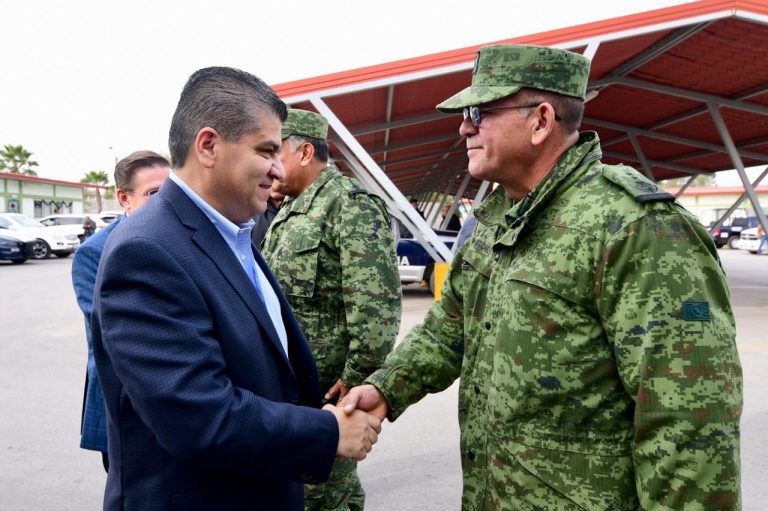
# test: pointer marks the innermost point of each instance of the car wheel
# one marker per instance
(41, 250)
(733, 242)
(63, 254)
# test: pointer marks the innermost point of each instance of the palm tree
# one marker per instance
(96, 177)
(15, 159)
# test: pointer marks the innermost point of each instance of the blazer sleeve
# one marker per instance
(159, 336)
(84, 267)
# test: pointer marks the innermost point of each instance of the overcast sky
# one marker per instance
(85, 82)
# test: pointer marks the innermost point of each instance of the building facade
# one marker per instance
(38, 197)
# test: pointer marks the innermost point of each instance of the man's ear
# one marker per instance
(544, 118)
(205, 147)
(122, 197)
(307, 152)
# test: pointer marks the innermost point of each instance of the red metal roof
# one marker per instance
(652, 76)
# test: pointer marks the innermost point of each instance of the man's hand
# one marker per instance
(339, 388)
(358, 431)
(366, 398)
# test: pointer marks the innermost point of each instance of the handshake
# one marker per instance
(359, 415)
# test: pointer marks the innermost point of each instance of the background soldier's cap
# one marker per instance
(503, 69)
(305, 123)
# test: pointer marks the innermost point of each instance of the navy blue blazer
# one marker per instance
(93, 428)
(205, 410)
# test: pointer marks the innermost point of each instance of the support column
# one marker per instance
(737, 163)
(398, 200)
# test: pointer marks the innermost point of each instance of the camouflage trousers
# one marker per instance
(342, 491)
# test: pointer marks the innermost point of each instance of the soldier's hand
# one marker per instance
(339, 388)
(366, 398)
(358, 431)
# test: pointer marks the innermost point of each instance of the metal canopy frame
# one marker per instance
(676, 92)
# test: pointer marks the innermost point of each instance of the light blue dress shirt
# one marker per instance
(238, 238)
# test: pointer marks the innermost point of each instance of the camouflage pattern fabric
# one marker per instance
(503, 69)
(333, 252)
(341, 492)
(305, 124)
(591, 327)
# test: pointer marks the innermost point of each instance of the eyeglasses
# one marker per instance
(148, 193)
(475, 113)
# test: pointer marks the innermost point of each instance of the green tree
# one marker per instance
(96, 177)
(15, 159)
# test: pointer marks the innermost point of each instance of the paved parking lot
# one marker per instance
(414, 466)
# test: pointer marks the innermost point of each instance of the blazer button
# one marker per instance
(471, 455)
(487, 325)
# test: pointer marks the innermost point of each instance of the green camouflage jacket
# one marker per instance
(333, 252)
(591, 327)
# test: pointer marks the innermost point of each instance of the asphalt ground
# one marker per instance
(415, 465)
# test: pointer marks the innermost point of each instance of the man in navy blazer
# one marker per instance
(138, 176)
(211, 389)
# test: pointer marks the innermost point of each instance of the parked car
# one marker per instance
(413, 261)
(48, 241)
(109, 216)
(729, 234)
(15, 249)
(749, 240)
(72, 223)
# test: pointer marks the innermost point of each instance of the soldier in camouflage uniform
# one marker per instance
(588, 317)
(333, 252)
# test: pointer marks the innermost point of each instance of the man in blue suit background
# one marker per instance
(138, 176)
(211, 389)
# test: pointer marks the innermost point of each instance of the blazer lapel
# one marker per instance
(208, 238)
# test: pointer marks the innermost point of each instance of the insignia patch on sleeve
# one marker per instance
(696, 311)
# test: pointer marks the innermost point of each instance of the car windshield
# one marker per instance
(25, 220)
(68, 220)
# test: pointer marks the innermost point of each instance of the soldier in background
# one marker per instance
(588, 317)
(333, 252)
(262, 221)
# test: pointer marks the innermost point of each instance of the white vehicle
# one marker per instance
(749, 240)
(72, 223)
(49, 241)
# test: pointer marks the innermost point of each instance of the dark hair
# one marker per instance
(126, 168)
(226, 99)
(321, 146)
(570, 110)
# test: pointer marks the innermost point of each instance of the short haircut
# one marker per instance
(321, 146)
(569, 109)
(126, 168)
(223, 98)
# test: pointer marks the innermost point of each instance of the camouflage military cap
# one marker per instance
(305, 123)
(503, 69)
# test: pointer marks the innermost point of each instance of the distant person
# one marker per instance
(415, 205)
(89, 227)
(454, 224)
(333, 252)
(211, 390)
(761, 236)
(587, 318)
(465, 232)
(261, 222)
(138, 176)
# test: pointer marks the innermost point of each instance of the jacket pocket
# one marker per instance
(566, 476)
(299, 270)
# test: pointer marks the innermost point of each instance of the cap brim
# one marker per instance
(476, 95)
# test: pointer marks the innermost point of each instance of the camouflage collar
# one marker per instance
(499, 209)
(303, 202)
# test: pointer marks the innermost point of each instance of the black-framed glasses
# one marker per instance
(148, 193)
(475, 113)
